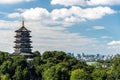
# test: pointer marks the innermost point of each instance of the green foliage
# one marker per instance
(6, 67)
(53, 56)
(57, 72)
(5, 77)
(18, 73)
(97, 65)
(3, 56)
(79, 74)
(37, 61)
(56, 65)
(99, 74)
(50, 74)
(115, 73)
(39, 71)
(36, 53)
(19, 61)
(26, 74)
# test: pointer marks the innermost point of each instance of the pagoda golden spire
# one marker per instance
(23, 22)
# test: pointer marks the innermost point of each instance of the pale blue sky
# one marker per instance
(72, 26)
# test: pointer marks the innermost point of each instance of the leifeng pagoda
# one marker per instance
(23, 42)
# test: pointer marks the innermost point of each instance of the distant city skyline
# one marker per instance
(89, 26)
(92, 57)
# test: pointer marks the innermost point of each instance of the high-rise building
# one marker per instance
(23, 42)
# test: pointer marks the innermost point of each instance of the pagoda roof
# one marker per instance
(23, 29)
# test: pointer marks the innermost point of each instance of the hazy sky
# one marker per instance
(89, 26)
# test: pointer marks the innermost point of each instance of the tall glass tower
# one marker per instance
(23, 42)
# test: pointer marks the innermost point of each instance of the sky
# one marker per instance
(76, 26)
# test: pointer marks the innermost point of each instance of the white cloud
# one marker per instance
(8, 24)
(20, 9)
(57, 37)
(103, 2)
(98, 27)
(114, 48)
(106, 37)
(35, 14)
(68, 2)
(85, 2)
(50, 38)
(45, 37)
(13, 1)
(77, 12)
(7, 34)
(114, 43)
(63, 16)
(14, 15)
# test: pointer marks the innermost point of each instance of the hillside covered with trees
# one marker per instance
(55, 65)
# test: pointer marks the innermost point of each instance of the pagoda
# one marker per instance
(23, 42)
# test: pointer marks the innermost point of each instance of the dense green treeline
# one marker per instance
(56, 65)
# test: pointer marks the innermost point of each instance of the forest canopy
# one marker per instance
(55, 65)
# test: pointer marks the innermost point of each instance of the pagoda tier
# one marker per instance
(19, 36)
(23, 50)
(23, 42)
(19, 46)
(22, 29)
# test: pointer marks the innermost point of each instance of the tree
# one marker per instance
(5, 77)
(54, 65)
(3, 56)
(37, 53)
(111, 74)
(50, 74)
(3, 68)
(79, 74)
(97, 64)
(19, 61)
(53, 56)
(99, 74)
(18, 74)
(6, 67)
(62, 71)
(115, 73)
(36, 61)
(26, 75)
(39, 70)
(56, 72)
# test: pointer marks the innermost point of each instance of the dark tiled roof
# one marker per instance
(22, 29)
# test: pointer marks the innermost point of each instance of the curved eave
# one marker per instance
(21, 36)
(23, 47)
(22, 41)
(22, 31)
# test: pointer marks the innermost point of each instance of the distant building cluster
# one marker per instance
(91, 57)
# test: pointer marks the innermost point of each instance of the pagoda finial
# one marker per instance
(22, 22)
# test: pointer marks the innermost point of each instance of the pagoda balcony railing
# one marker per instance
(22, 34)
(23, 47)
(23, 39)
(19, 36)
(24, 50)
(22, 31)
(22, 44)
(18, 41)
